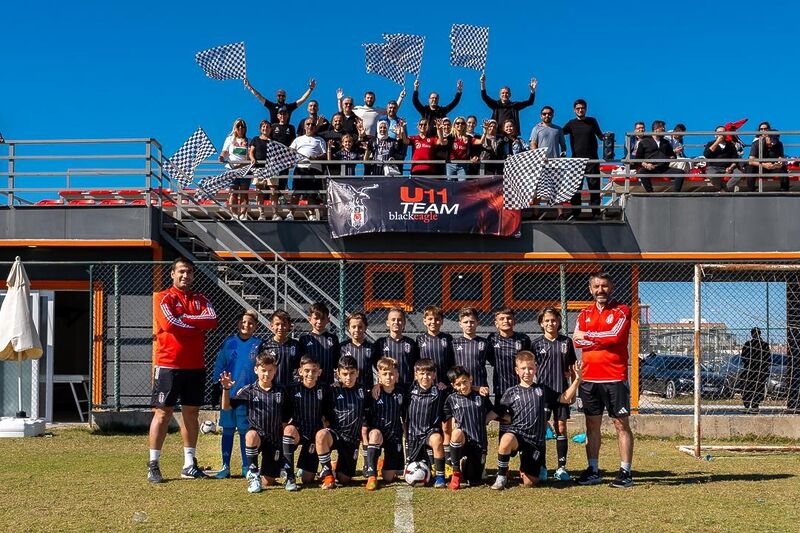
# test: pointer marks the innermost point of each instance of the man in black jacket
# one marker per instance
(584, 132)
(720, 148)
(657, 147)
(756, 360)
(433, 110)
(504, 108)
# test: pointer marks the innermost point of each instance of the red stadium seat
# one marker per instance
(112, 202)
(81, 202)
(131, 194)
(50, 202)
(102, 194)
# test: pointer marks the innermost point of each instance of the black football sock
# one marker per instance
(325, 461)
(252, 458)
(373, 451)
(502, 464)
(455, 456)
(439, 466)
(288, 455)
(562, 445)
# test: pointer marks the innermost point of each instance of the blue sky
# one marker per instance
(103, 69)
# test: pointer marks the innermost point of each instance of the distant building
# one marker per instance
(678, 338)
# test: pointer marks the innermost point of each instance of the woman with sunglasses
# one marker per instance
(234, 155)
(461, 147)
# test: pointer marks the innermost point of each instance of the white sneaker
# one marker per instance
(500, 483)
(253, 482)
(561, 474)
(290, 217)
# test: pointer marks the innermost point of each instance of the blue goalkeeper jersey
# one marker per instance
(239, 358)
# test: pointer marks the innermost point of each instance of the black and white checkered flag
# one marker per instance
(563, 177)
(279, 158)
(194, 151)
(225, 62)
(208, 187)
(469, 46)
(378, 64)
(521, 174)
(405, 51)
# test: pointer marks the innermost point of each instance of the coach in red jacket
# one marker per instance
(180, 320)
(602, 333)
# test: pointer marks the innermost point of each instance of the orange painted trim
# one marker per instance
(508, 285)
(523, 256)
(158, 251)
(634, 378)
(484, 304)
(79, 243)
(97, 343)
(371, 303)
(55, 285)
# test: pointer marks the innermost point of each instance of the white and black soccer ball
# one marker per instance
(207, 427)
(417, 473)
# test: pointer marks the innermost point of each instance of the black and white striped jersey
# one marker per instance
(267, 410)
(404, 351)
(438, 349)
(469, 415)
(501, 357)
(288, 355)
(363, 354)
(553, 358)
(471, 354)
(309, 405)
(388, 413)
(424, 410)
(526, 406)
(325, 350)
(348, 412)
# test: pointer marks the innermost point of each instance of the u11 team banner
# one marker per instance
(419, 205)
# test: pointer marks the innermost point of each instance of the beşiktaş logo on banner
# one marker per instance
(422, 204)
(355, 204)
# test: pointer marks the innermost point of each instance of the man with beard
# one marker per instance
(433, 110)
(369, 114)
(504, 108)
(280, 100)
(547, 135)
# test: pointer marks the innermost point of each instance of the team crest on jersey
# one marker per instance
(399, 398)
(537, 391)
(563, 347)
(406, 347)
(368, 351)
(319, 394)
(178, 309)
(292, 351)
(517, 345)
(161, 397)
(443, 342)
(278, 397)
(481, 345)
(477, 400)
(609, 319)
(361, 393)
(329, 341)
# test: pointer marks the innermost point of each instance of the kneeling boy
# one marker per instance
(385, 416)
(425, 405)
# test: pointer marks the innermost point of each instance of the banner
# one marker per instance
(419, 205)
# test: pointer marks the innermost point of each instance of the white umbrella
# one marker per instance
(18, 337)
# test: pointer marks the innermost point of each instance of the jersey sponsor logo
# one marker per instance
(588, 319)
(386, 348)
(161, 397)
(277, 455)
(347, 352)
(609, 319)
(542, 350)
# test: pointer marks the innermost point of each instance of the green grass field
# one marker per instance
(78, 480)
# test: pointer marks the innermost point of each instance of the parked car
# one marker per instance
(777, 384)
(673, 375)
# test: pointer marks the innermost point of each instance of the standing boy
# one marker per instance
(286, 350)
(470, 413)
(425, 405)
(237, 356)
(347, 421)
(385, 418)
(505, 344)
(310, 411)
(321, 344)
(471, 350)
(527, 425)
(555, 357)
(360, 349)
(399, 347)
(268, 411)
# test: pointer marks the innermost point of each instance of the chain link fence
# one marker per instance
(660, 295)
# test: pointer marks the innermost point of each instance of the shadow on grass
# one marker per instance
(666, 477)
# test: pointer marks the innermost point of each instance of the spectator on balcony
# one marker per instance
(548, 135)
(656, 147)
(433, 110)
(368, 113)
(349, 118)
(461, 147)
(313, 115)
(234, 155)
(682, 162)
(722, 147)
(504, 108)
(472, 124)
(349, 151)
(310, 148)
(491, 147)
(386, 148)
(282, 131)
(633, 140)
(584, 132)
(257, 153)
(280, 97)
(423, 147)
(391, 117)
(756, 360)
(512, 142)
(766, 146)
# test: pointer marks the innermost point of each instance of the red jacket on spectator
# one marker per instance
(180, 320)
(605, 344)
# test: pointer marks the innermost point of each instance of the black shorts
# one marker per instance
(531, 457)
(614, 396)
(271, 458)
(346, 455)
(417, 447)
(559, 410)
(172, 386)
(241, 183)
(473, 462)
(308, 461)
(393, 458)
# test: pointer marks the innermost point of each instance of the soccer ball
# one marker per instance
(417, 473)
(208, 427)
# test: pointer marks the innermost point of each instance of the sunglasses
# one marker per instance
(547, 114)
(459, 123)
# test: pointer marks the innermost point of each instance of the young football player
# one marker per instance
(385, 418)
(286, 350)
(321, 344)
(504, 345)
(359, 348)
(399, 347)
(435, 345)
(471, 350)
(424, 414)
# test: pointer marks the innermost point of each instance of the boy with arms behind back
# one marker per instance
(321, 344)
(286, 350)
(385, 417)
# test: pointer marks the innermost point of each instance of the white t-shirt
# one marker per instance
(237, 150)
(309, 147)
(369, 116)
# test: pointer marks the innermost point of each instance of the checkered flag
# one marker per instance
(208, 187)
(469, 46)
(521, 174)
(279, 158)
(194, 151)
(405, 51)
(377, 63)
(563, 177)
(223, 62)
